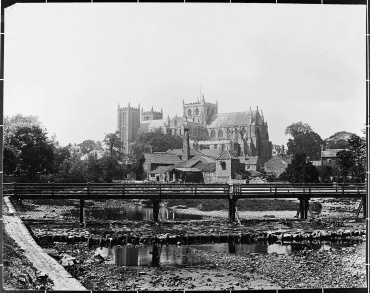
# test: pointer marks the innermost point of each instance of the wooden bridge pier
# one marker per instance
(232, 209)
(364, 206)
(82, 213)
(156, 203)
(303, 207)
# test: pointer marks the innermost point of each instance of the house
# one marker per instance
(251, 163)
(155, 160)
(227, 165)
(277, 164)
(329, 157)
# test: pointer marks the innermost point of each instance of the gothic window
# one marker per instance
(189, 112)
(196, 111)
(207, 111)
(175, 123)
(213, 134)
(220, 134)
(228, 134)
(213, 111)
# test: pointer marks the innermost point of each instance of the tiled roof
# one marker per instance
(251, 160)
(152, 124)
(229, 119)
(210, 167)
(162, 158)
(188, 169)
(277, 164)
(161, 169)
(205, 167)
(213, 153)
(226, 155)
(330, 153)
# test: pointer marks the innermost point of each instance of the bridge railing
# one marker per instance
(167, 190)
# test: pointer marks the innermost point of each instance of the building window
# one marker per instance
(248, 167)
(220, 134)
(223, 165)
(213, 134)
(189, 112)
(175, 123)
(196, 111)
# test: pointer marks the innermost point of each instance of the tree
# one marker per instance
(300, 171)
(306, 143)
(72, 170)
(27, 146)
(87, 146)
(353, 160)
(298, 128)
(61, 154)
(338, 140)
(326, 173)
(113, 143)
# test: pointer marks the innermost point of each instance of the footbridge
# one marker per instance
(158, 191)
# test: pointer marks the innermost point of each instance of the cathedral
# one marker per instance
(243, 133)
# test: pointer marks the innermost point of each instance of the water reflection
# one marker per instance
(158, 255)
(155, 255)
(134, 213)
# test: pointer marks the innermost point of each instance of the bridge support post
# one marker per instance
(364, 203)
(306, 206)
(301, 208)
(232, 209)
(156, 203)
(82, 214)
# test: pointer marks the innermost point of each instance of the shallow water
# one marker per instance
(173, 255)
(133, 213)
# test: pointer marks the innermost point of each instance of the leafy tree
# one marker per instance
(326, 172)
(61, 154)
(92, 169)
(72, 170)
(353, 160)
(306, 143)
(300, 171)
(113, 143)
(27, 146)
(338, 140)
(87, 146)
(110, 167)
(298, 128)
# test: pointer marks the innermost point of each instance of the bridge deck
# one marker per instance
(179, 191)
(157, 192)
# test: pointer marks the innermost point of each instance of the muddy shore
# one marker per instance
(313, 269)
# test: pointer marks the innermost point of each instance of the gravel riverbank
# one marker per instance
(219, 271)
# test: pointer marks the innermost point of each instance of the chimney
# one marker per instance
(186, 145)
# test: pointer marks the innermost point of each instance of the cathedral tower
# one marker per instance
(151, 115)
(199, 112)
(128, 124)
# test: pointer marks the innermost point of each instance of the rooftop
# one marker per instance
(230, 119)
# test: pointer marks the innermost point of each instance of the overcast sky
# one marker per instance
(71, 64)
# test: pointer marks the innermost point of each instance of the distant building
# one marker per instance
(243, 133)
(329, 157)
(277, 165)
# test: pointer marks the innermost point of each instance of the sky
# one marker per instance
(71, 64)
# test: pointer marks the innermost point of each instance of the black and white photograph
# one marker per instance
(184, 147)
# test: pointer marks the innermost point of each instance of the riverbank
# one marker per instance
(225, 271)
